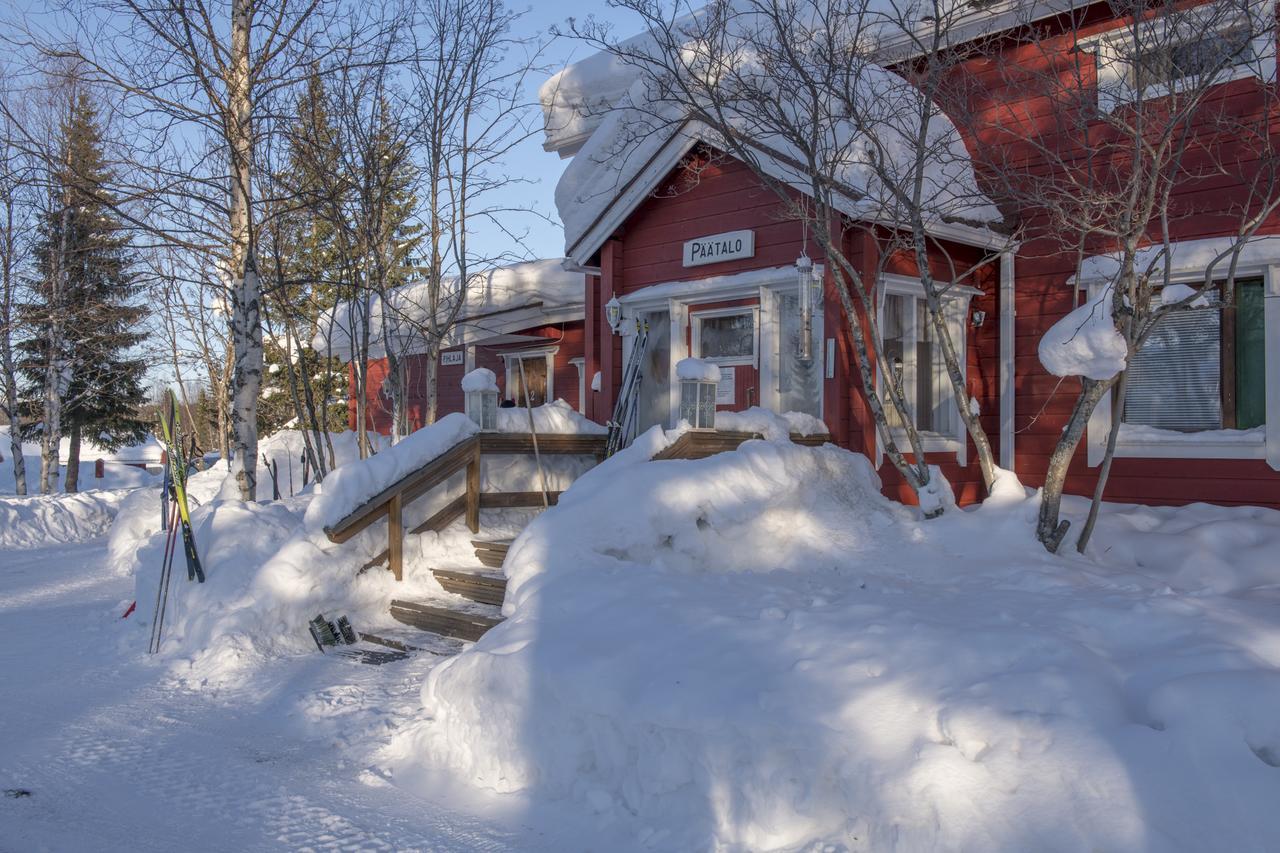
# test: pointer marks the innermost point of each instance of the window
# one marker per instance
(912, 349)
(1211, 43)
(726, 337)
(1203, 368)
(1204, 53)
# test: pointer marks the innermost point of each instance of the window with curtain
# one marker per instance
(912, 350)
(1203, 368)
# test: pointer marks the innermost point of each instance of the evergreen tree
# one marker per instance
(85, 317)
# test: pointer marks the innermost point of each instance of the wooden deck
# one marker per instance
(699, 444)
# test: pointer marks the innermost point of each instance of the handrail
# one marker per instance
(466, 454)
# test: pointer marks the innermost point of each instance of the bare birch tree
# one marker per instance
(196, 75)
(1140, 117)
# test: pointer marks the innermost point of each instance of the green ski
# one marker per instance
(172, 442)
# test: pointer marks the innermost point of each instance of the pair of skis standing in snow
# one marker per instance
(174, 515)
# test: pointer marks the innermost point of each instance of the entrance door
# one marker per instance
(729, 336)
(654, 404)
(535, 372)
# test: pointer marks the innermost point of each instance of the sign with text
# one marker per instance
(726, 388)
(728, 246)
(452, 357)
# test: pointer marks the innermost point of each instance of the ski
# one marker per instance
(178, 483)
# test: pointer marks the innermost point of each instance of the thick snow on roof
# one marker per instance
(498, 301)
(645, 133)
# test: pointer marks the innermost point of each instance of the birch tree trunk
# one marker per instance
(55, 378)
(7, 364)
(246, 290)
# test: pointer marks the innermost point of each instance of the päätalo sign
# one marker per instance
(453, 357)
(728, 246)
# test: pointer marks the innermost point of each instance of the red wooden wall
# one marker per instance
(568, 336)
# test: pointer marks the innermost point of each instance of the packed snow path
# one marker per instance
(119, 755)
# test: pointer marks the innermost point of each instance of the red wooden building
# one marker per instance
(689, 242)
(529, 312)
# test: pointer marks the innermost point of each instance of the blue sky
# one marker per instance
(529, 160)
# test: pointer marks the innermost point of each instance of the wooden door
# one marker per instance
(535, 372)
(728, 334)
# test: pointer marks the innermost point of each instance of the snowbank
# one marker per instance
(769, 424)
(36, 521)
(556, 417)
(1085, 342)
(758, 651)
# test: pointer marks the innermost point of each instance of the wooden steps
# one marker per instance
(492, 552)
(481, 587)
(465, 625)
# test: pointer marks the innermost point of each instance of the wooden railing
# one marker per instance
(390, 503)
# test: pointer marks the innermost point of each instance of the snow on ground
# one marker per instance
(758, 651)
(117, 474)
(117, 755)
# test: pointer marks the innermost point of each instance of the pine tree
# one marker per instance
(82, 374)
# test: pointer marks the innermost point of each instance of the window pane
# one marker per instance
(799, 384)
(733, 336)
(895, 349)
(1207, 53)
(926, 370)
(1251, 393)
(1175, 380)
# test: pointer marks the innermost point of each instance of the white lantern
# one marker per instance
(698, 381)
(613, 313)
(804, 297)
(480, 393)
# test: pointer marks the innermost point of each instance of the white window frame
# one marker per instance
(675, 297)
(1208, 447)
(959, 296)
(696, 318)
(580, 362)
(509, 359)
(1112, 52)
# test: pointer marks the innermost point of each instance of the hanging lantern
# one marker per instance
(613, 313)
(698, 381)
(804, 297)
(480, 392)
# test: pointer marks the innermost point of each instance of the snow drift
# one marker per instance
(36, 521)
(759, 651)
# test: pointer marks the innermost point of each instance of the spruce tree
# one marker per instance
(85, 314)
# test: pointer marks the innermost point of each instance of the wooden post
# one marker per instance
(395, 536)
(473, 491)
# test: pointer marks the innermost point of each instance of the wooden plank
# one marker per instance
(483, 588)
(411, 486)
(698, 444)
(395, 536)
(473, 489)
(442, 519)
(515, 442)
(437, 620)
(507, 500)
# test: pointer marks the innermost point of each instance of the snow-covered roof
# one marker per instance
(576, 99)
(646, 131)
(497, 302)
